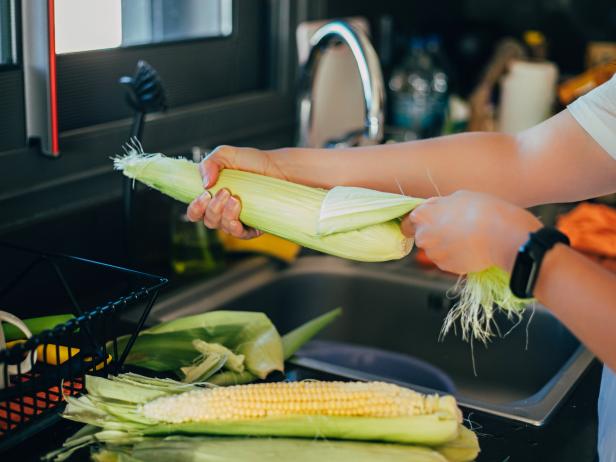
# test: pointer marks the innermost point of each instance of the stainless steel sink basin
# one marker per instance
(398, 308)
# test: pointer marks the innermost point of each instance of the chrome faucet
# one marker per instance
(370, 74)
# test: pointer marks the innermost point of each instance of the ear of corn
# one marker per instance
(222, 347)
(169, 346)
(351, 411)
(353, 223)
(287, 210)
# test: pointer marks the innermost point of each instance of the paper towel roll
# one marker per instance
(527, 95)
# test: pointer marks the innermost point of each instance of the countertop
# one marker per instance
(570, 436)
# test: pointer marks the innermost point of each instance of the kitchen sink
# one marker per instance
(396, 307)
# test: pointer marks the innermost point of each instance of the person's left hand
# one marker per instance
(469, 232)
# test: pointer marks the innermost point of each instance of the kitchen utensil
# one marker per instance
(145, 94)
(56, 355)
(36, 325)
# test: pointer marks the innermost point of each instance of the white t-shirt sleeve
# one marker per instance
(596, 113)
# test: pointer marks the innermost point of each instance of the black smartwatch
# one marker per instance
(529, 258)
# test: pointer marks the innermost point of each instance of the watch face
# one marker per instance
(522, 274)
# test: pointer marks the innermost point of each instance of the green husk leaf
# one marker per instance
(234, 362)
(430, 430)
(464, 448)
(226, 378)
(208, 449)
(293, 341)
(204, 368)
(347, 208)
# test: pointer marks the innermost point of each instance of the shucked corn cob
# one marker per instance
(349, 399)
(351, 411)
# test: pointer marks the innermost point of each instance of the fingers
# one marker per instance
(213, 213)
(420, 213)
(220, 212)
(196, 209)
(407, 227)
(230, 217)
(223, 210)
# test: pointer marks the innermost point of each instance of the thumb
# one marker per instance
(209, 170)
(407, 227)
(211, 166)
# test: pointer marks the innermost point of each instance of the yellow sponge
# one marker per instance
(265, 244)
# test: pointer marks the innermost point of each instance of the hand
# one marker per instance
(223, 210)
(468, 232)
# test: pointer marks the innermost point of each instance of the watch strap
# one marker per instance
(530, 256)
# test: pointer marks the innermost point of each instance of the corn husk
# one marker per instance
(119, 446)
(176, 449)
(249, 339)
(168, 347)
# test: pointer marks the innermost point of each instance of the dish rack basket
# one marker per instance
(35, 283)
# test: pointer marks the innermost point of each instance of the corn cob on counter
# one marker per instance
(130, 408)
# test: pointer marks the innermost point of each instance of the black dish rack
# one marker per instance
(35, 283)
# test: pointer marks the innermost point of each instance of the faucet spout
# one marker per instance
(371, 77)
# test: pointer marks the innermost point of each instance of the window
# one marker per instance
(84, 25)
(202, 49)
(7, 32)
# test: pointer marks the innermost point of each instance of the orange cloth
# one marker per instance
(591, 228)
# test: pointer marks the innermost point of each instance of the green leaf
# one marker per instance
(293, 341)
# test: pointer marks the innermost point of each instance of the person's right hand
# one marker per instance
(223, 210)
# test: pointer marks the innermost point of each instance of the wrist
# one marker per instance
(514, 235)
(301, 165)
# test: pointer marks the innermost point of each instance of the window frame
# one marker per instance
(234, 66)
(12, 123)
(11, 19)
(39, 187)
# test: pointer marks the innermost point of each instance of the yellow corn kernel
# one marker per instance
(349, 399)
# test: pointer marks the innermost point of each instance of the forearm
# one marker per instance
(556, 161)
(582, 295)
(486, 162)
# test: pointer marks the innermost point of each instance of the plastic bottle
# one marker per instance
(419, 90)
(441, 75)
